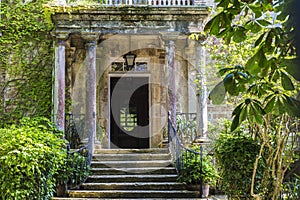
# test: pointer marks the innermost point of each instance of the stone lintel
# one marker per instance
(168, 36)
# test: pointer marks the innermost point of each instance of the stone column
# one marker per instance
(59, 82)
(90, 110)
(170, 38)
(202, 93)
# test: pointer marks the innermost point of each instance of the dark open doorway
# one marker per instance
(129, 112)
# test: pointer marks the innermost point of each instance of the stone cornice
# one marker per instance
(144, 19)
(111, 13)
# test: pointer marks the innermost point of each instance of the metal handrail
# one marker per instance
(180, 152)
(78, 162)
(78, 159)
(186, 127)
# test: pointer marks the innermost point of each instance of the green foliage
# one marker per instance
(75, 169)
(25, 62)
(192, 172)
(259, 70)
(235, 156)
(30, 157)
(292, 189)
(266, 55)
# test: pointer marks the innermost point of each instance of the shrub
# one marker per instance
(291, 190)
(192, 172)
(31, 154)
(75, 170)
(235, 154)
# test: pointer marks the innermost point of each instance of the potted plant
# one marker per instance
(209, 175)
(192, 174)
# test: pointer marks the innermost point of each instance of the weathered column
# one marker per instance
(170, 38)
(90, 110)
(59, 82)
(202, 94)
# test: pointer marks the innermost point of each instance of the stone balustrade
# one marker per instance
(171, 3)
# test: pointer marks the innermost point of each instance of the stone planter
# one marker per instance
(205, 190)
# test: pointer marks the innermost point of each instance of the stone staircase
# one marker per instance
(132, 173)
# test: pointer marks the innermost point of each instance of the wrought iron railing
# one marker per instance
(186, 126)
(173, 3)
(72, 132)
(181, 154)
(79, 158)
(78, 166)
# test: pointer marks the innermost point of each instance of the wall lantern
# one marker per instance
(129, 60)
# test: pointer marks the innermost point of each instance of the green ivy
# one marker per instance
(30, 157)
(26, 59)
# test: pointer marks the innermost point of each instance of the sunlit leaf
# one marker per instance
(215, 28)
(224, 32)
(293, 67)
(230, 85)
(239, 35)
(237, 110)
(235, 123)
(259, 40)
(256, 10)
(225, 70)
(286, 82)
(263, 22)
(223, 3)
(293, 106)
(217, 95)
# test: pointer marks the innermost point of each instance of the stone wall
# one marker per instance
(216, 112)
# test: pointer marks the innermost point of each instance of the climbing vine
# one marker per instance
(26, 61)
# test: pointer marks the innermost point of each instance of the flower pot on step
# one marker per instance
(205, 190)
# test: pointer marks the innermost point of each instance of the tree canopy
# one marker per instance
(265, 80)
(271, 71)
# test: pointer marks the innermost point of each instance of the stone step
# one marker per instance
(131, 164)
(130, 156)
(132, 173)
(132, 178)
(133, 194)
(134, 186)
(128, 151)
(145, 170)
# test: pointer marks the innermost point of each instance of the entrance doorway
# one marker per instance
(129, 112)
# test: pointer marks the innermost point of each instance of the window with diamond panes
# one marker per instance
(128, 120)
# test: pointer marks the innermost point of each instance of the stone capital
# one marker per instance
(90, 38)
(60, 36)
